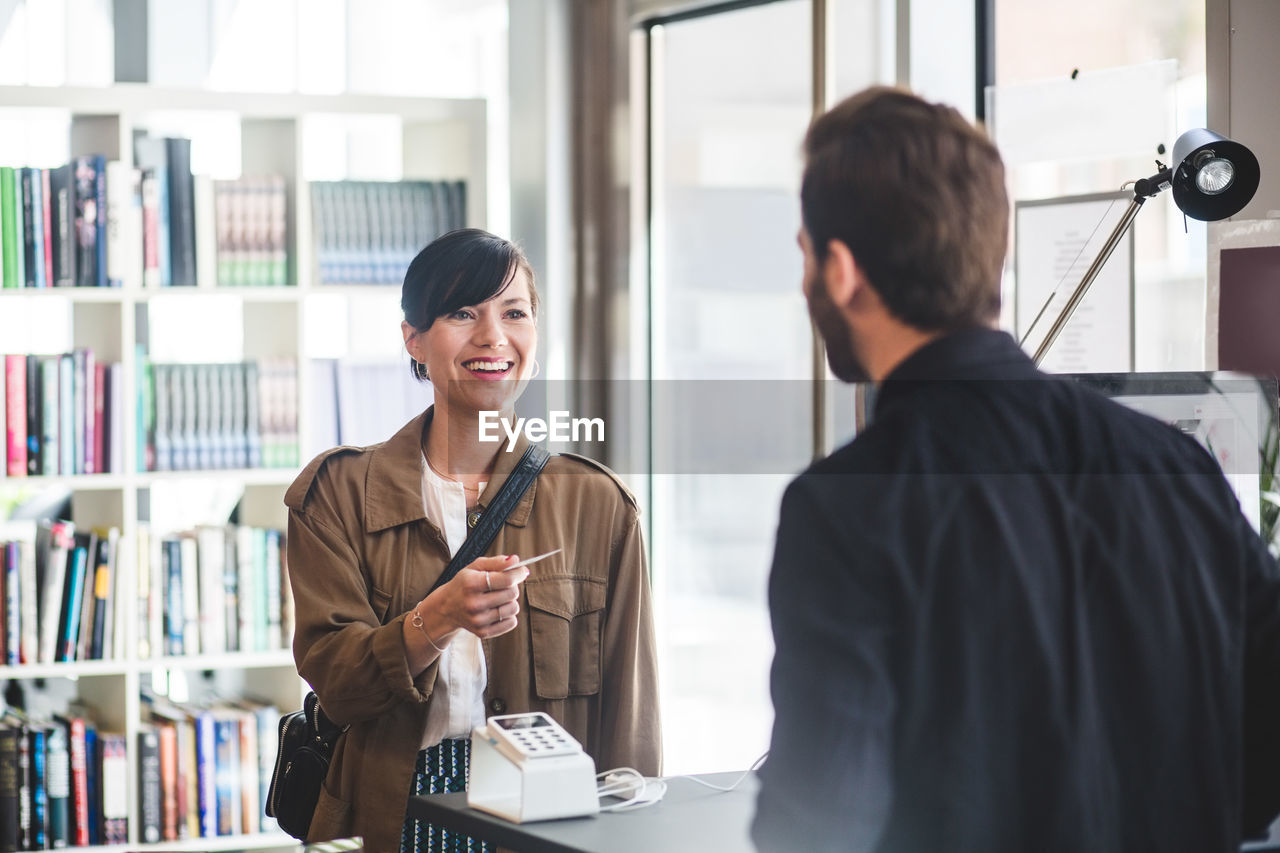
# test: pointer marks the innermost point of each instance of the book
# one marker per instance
(15, 776)
(168, 735)
(150, 796)
(267, 719)
(151, 155)
(36, 786)
(115, 440)
(78, 804)
(272, 541)
(28, 633)
(11, 642)
(46, 212)
(173, 620)
(68, 439)
(123, 230)
(102, 586)
(250, 806)
(114, 776)
(182, 230)
(189, 560)
(149, 189)
(206, 774)
(50, 446)
(227, 772)
(82, 408)
(96, 425)
(31, 250)
(62, 213)
(210, 543)
(58, 784)
(92, 783)
(34, 421)
(15, 408)
(90, 220)
(60, 537)
(10, 233)
(206, 237)
(72, 602)
(188, 778)
(11, 837)
(84, 624)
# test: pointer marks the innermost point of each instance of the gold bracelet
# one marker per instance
(416, 622)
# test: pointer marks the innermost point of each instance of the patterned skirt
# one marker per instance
(441, 769)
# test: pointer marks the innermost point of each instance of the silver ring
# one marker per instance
(488, 582)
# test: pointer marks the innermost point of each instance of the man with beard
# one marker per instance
(1011, 615)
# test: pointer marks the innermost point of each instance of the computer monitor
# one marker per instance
(1228, 413)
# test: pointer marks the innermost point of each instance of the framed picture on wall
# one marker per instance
(1055, 242)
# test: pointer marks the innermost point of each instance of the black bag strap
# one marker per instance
(485, 530)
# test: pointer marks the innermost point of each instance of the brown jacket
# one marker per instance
(362, 553)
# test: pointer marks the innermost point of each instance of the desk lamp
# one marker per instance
(1212, 178)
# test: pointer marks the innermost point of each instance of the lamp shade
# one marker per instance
(1212, 176)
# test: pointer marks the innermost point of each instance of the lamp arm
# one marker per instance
(1096, 267)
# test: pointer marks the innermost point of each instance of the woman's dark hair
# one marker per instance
(457, 269)
(918, 195)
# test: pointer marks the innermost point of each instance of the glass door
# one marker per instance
(731, 359)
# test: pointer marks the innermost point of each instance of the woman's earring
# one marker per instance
(420, 371)
(536, 367)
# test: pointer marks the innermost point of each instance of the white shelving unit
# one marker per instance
(438, 139)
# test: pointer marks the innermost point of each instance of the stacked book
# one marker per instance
(212, 590)
(217, 416)
(62, 593)
(204, 769)
(367, 232)
(63, 782)
(250, 226)
(103, 223)
(62, 414)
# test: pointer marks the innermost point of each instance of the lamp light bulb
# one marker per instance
(1215, 176)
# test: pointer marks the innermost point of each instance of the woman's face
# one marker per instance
(480, 356)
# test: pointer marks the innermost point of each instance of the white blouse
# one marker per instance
(457, 701)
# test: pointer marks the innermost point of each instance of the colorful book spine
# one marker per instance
(50, 446)
(115, 788)
(9, 235)
(79, 806)
(150, 796)
(66, 415)
(10, 836)
(71, 608)
(12, 603)
(37, 786)
(58, 785)
(34, 420)
(15, 390)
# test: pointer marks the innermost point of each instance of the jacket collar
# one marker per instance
(393, 491)
(968, 354)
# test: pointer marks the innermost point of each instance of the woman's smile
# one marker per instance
(489, 369)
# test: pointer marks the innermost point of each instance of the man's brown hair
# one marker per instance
(917, 193)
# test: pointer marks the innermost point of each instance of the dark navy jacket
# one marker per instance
(1013, 615)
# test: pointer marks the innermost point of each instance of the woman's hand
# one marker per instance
(482, 599)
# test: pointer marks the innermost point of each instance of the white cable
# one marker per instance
(645, 792)
(754, 766)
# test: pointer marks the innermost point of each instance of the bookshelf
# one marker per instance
(291, 135)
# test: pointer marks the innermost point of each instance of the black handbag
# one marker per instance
(308, 737)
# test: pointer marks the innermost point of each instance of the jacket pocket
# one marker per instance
(564, 623)
(332, 818)
(380, 602)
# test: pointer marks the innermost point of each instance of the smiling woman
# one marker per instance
(411, 670)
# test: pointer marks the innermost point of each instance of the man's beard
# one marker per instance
(835, 335)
